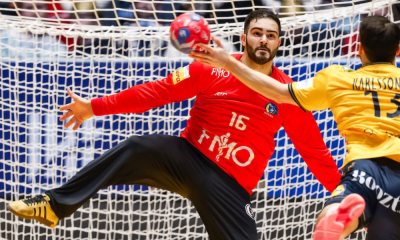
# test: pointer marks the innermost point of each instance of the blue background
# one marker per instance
(39, 83)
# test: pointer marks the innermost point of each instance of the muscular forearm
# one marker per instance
(259, 82)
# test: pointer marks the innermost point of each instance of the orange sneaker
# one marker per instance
(332, 226)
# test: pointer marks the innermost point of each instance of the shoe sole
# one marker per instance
(332, 226)
(39, 219)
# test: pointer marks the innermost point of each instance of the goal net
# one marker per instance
(98, 48)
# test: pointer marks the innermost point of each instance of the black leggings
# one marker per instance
(169, 163)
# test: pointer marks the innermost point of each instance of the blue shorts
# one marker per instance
(377, 180)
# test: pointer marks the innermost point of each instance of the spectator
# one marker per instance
(320, 39)
(87, 15)
(22, 45)
(141, 12)
(7, 8)
(288, 10)
(327, 4)
(238, 10)
(33, 9)
(170, 10)
(231, 12)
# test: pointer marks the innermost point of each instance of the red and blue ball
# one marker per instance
(187, 30)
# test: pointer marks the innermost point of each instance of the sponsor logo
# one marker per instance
(226, 149)
(339, 191)
(250, 212)
(385, 199)
(221, 94)
(347, 69)
(218, 72)
(180, 75)
(271, 109)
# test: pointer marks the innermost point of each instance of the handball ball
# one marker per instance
(187, 30)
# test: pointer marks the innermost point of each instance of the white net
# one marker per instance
(103, 47)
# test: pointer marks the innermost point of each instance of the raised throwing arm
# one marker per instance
(259, 82)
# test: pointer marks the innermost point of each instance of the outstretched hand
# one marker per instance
(214, 56)
(79, 110)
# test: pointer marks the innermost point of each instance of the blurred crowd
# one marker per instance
(145, 13)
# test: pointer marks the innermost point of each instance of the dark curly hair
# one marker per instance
(261, 13)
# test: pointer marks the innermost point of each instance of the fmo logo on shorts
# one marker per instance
(385, 199)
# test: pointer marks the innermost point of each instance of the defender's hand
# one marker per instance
(79, 111)
(214, 56)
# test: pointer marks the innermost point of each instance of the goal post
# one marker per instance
(98, 48)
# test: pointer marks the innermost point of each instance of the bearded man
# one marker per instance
(219, 157)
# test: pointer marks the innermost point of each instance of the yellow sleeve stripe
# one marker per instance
(290, 88)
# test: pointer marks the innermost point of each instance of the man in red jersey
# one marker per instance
(218, 159)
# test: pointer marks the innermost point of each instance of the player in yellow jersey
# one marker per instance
(366, 106)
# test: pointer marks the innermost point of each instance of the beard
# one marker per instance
(262, 58)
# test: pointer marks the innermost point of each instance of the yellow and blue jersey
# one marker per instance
(365, 104)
